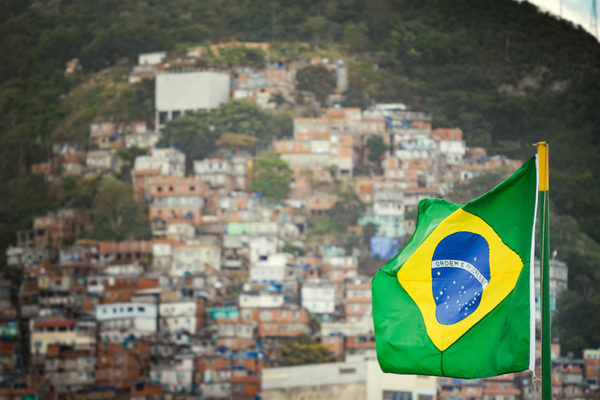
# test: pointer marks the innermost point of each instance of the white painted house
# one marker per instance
(120, 320)
(318, 296)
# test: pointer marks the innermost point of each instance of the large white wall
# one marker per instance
(191, 91)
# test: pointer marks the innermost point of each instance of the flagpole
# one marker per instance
(543, 189)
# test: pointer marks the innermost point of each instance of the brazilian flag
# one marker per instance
(458, 299)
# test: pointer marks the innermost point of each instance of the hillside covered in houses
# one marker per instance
(199, 207)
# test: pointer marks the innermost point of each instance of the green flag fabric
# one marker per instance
(458, 299)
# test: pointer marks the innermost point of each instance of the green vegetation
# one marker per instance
(369, 230)
(376, 148)
(303, 349)
(79, 193)
(199, 133)
(240, 56)
(272, 176)
(316, 79)
(194, 134)
(98, 98)
(294, 250)
(25, 199)
(344, 213)
(117, 214)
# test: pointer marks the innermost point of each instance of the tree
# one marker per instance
(578, 322)
(293, 250)
(346, 211)
(237, 141)
(355, 37)
(376, 148)
(245, 118)
(477, 186)
(315, 28)
(303, 349)
(369, 230)
(316, 79)
(284, 123)
(80, 193)
(193, 133)
(350, 241)
(242, 56)
(117, 214)
(128, 155)
(25, 198)
(277, 98)
(272, 176)
(325, 225)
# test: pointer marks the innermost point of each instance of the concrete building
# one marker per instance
(195, 258)
(106, 135)
(591, 357)
(451, 145)
(331, 140)
(358, 303)
(160, 162)
(279, 322)
(231, 173)
(263, 248)
(142, 139)
(174, 376)
(344, 380)
(180, 317)
(559, 273)
(274, 268)
(387, 211)
(175, 198)
(121, 320)
(70, 369)
(178, 93)
(260, 296)
(318, 296)
(101, 161)
(152, 58)
(80, 335)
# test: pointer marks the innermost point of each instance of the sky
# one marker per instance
(576, 11)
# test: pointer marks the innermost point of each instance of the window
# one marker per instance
(162, 117)
(141, 309)
(265, 316)
(391, 395)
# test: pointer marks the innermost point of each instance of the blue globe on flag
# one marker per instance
(460, 272)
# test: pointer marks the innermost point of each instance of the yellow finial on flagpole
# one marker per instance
(544, 181)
